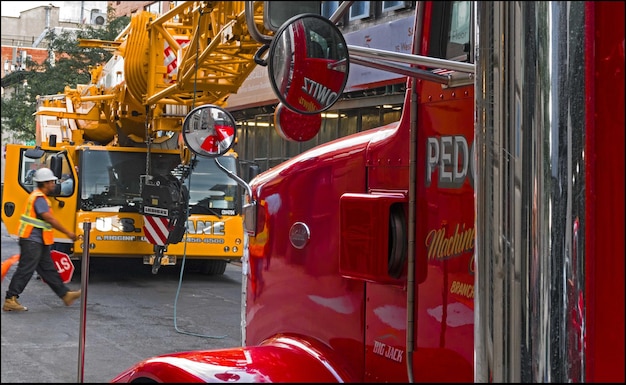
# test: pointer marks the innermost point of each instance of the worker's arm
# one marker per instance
(48, 217)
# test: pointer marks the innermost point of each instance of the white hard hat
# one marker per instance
(44, 175)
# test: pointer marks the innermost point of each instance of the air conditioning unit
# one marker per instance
(97, 17)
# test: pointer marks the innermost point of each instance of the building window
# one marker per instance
(154, 8)
(328, 8)
(359, 10)
(393, 5)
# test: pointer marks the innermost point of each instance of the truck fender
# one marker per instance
(281, 359)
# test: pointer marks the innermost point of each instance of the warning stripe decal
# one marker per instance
(155, 229)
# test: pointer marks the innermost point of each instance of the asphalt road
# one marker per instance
(126, 314)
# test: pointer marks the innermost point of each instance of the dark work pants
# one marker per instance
(35, 257)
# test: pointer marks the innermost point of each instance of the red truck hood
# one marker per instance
(282, 359)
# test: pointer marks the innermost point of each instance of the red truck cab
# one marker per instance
(438, 248)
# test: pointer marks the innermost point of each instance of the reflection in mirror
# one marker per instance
(308, 64)
(209, 131)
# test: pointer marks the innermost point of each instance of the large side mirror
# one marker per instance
(34, 153)
(308, 64)
(209, 131)
(56, 165)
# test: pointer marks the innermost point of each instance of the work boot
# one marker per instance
(70, 297)
(11, 304)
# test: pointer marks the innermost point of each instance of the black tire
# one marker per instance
(397, 242)
(208, 266)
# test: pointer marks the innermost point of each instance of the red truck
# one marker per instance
(479, 238)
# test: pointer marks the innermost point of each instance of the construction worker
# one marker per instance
(36, 237)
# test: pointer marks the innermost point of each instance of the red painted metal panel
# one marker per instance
(444, 325)
(281, 359)
(605, 192)
(284, 279)
(444, 265)
(365, 237)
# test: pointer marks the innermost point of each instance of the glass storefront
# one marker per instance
(259, 143)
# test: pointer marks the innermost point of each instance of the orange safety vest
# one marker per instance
(29, 219)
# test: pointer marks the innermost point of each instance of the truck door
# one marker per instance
(14, 193)
(443, 311)
(442, 319)
(18, 184)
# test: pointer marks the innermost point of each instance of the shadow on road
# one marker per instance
(120, 269)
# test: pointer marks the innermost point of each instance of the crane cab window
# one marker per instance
(29, 166)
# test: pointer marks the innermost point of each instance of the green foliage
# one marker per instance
(67, 66)
(17, 114)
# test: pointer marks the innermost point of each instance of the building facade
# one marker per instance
(22, 37)
(372, 97)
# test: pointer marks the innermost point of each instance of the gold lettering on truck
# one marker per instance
(442, 247)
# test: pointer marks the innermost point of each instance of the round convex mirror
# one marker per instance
(308, 64)
(294, 126)
(209, 131)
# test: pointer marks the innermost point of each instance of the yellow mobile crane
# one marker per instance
(118, 139)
